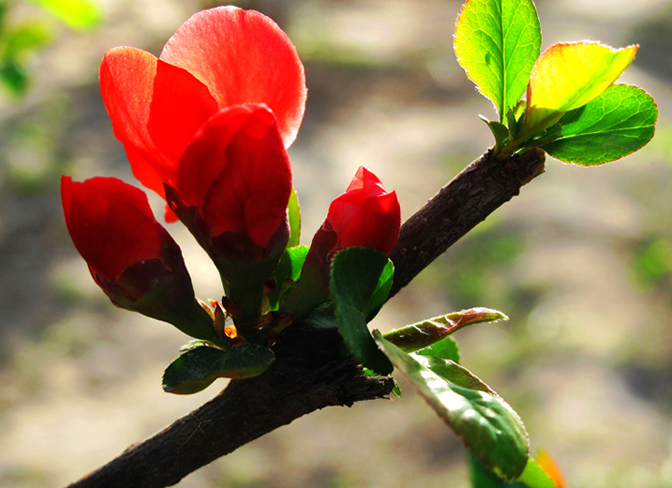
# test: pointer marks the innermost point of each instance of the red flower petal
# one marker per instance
(238, 173)
(156, 109)
(366, 214)
(111, 224)
(243, 57)
(375, 225)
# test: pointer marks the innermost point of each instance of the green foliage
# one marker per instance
(18, 44)
(425, 333)
(77, 14)
(615, 124)
(355, 278)
(654, 261)
(487, 425)
(197, 368)
(571, 110)
(497, 42)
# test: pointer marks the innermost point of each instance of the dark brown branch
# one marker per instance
(309, 373)
(481, 188)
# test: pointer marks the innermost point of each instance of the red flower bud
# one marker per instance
(237, 175)
(219, 58)
(232, 190)
(366, 215)
(130, 255)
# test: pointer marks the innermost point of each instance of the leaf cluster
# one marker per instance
(572, 109)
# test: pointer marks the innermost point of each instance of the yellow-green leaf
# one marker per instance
(568, 76)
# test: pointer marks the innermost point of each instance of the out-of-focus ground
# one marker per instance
(581, 261)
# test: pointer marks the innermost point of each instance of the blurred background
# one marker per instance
(581, 261)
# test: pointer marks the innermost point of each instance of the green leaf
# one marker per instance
(567, 76)
(197, 368)
(488, 426)
(26, 38)
(355, 276)
(382, 290)
(425, 333)
(446, 348)
(14, 76)
(77, 14)
(497, 43)
(321, 317)
(289, 268)
(500, 131)
(294, 211)
(533, 476)
(615, 124)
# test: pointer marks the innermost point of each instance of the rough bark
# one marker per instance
(310, 372)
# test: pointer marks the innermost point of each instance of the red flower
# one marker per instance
(130, 255)
(365, 215)
(217, 59)
(236, 176)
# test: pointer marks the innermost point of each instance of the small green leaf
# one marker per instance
(500, 131)
(197, 368)
(615, 124)
(77, 14)
(289, 268)
(425, 333)
(569, 75)
(497, 42)
(533, 476)
(446, 348)
(515, 118)
(294, 211)
(488, 426)
(355, 276)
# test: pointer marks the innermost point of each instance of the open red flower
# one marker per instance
(130, 255)
(217, 59)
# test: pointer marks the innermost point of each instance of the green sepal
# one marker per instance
(423, 334)
(294, 211)
(286, 274)
(197, 368)
(487, 425)
(355, 277)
